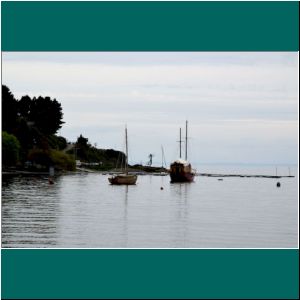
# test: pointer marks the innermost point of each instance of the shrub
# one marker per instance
(10, 149)
(40, 157)
(56, 158)
(62, 160)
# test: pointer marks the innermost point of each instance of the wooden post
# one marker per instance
(51, 171)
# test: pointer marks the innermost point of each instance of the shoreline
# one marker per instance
(137, 172)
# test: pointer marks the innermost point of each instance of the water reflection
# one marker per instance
(125, 219)
(83, 210)
(180, 194)
(29, 213)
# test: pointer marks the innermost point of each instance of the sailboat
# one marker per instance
(124, 178)
(181, 170)
(163, 164)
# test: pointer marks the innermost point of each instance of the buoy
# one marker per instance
(161, 188)
(278, 184)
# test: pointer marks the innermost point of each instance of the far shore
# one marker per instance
(147, 170)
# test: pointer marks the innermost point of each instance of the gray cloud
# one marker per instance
(242, 107)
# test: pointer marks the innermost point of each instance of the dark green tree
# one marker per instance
(46, 115)
(57, 142)
(31, 120)
(25, 107)
(81, 148)
(9, 110)
(25, 136)
(113, 154)
(10, 149)
(82, 142)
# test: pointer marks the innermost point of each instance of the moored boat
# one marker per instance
(181, 170)
(124, 178)
(164, 171)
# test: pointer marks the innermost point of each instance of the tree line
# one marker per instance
(29, 135)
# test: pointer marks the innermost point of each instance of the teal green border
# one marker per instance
(149, 274)
(150, 26)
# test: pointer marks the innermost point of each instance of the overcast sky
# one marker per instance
(241, 106)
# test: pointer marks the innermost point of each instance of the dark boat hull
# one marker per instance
(182, 177)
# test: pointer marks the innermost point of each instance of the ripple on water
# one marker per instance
(83, 210)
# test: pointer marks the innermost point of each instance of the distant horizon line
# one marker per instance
(239, 164)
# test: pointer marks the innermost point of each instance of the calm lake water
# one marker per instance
(83, 210)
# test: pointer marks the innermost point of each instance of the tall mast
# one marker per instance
(179, 142)
(162, 156)
(126, 159)
(163, 159)
(186, 133)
